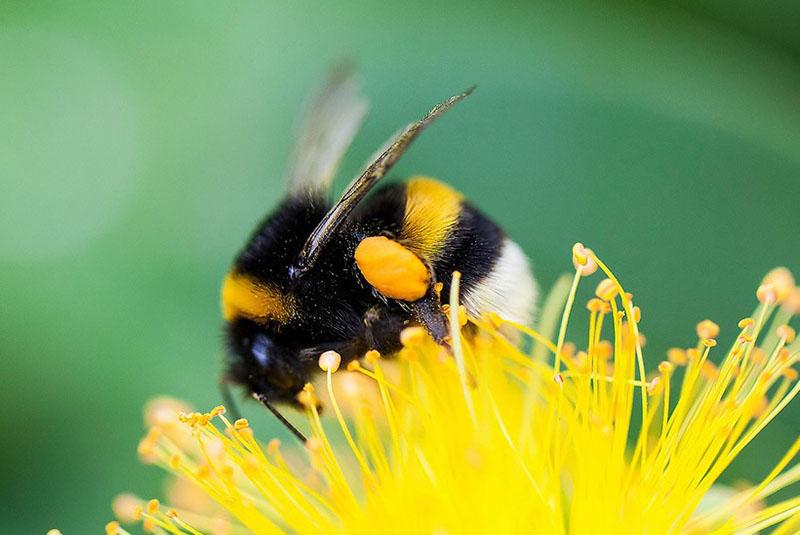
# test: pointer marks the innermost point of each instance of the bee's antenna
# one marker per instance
(281, 418)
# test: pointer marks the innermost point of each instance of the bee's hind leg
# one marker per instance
(428, 311)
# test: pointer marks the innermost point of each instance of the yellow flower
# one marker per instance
(488, 438)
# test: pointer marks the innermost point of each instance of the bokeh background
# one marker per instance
(140, 142)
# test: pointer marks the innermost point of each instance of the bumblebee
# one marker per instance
(350, 275)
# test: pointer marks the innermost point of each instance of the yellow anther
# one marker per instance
(172, 513)
(217, 411)
(462, 315)
(313, 444)
(594, 305)
(54, 532)
(677, 356)
(372, 356)
(437, 288)
(782, 281)
(707, 329)
(758, 356)
(112, 528)
(273, 446)
(767, 294)
(568, 350)
(240, 424)
(353, 366)
(606, 290)
(790, 373)
(582, 259)
(746, 323)
(745, 338)
(227, 472)
(125, 507)
(149, 525)
(665, 367)
(693, 353)
(329, 361)
(787, 333)
(709, 342)
(152, 506)
(412, 336)
(175, 461)
(792, 302)
(783, 355)
(604, 349)
(637, 314)
(581, 360)
(307, 398)
(203, 471)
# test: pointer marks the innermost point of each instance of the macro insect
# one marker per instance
(349, 276)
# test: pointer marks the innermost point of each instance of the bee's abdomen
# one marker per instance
(452, 235)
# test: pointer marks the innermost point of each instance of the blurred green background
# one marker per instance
(141, 141)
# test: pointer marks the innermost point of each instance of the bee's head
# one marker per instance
(265, 363)
(263, 356)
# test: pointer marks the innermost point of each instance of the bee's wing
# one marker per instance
(359, 187)
(326, 131)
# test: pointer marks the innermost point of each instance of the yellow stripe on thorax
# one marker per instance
(244, 297)
(432, 210)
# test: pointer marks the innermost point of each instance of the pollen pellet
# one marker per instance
(329, 361)
(392, 269)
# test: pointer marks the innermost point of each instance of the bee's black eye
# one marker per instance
(260, 349)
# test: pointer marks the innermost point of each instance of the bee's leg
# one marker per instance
(227, 398)
(429, 313)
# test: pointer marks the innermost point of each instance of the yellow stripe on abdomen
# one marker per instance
(432, 210)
